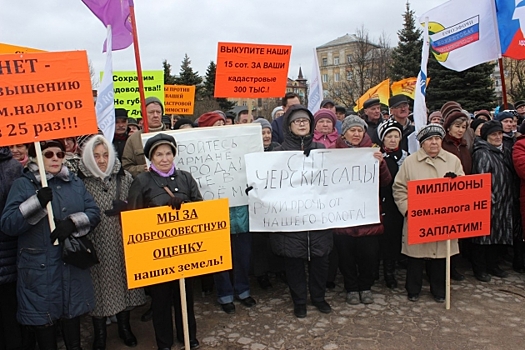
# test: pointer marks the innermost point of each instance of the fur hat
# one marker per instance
(490, 127)
(483, 112)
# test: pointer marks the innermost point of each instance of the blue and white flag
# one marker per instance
(463, 33)
(105, 107)
(315, 91)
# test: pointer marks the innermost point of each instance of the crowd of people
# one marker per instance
(90, 181)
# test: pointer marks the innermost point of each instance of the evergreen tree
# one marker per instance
(168, 78)
(406, 57)
(188, 77)
(473, 88)
(209, 88)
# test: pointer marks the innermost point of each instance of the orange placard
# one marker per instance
(6, 48)
(45, 96)
(162, 244)
(179, 99)
(445, 208)
(251, 70)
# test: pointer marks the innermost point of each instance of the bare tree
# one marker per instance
(515, 73)
(93, 75)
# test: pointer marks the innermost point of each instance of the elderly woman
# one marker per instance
(325, 132)
(305, 247)
(358, 247)
(389, 134)
(266, 134)
(430, 161)
(48, 289)
(476, 125)
(490, 156)
(109, 184)
(454, 142)
(19, 153)
(150, 189)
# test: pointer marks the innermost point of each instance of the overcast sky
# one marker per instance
(168, 29)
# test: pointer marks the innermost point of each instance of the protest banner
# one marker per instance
(179, 99)
(162, 244)
(444, 208)
(45, 96)
(330, 188)
(6, 49)
(215, 158)
(251, 70)
(126, 86)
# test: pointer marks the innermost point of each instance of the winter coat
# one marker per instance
(419, 166)
(518, 157)
(487, 158)
(119, 142)
(271, 147)
(372, 129)
(48, 288)
(109, 276)
(133, 159)
(384, 179)
(277, 130)
(304, 244)
(407, 130)
(10, 170)
(460, 150)
(327, 140)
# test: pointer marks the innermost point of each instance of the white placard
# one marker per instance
(215, 158)
(330, 188)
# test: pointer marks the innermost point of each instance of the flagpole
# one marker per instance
(503, 86)
(139, 68)
(500, 59)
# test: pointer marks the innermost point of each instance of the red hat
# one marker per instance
(208, 119)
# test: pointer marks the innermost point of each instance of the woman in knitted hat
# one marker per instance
(389, 134)
(429, 162)
(358, 247)
(164, 185)
(50, 291)
(490, 156)
(324, 128)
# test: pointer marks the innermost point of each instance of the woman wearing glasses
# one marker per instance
(49, 290)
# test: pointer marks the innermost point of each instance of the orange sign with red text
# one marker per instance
(251, 70)
(45, 96)
(445, 208)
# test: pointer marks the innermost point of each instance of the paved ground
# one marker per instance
(482, 316)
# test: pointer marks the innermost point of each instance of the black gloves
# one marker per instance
(451, 175)
(307, 151)
(63, 230)
(175, 202)
(118, 207)
(44, 195)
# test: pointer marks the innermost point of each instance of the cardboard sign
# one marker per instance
(6, 49)
(214, 156)
(162, 244)
(126, 86)
(252, 70)
(45, 96)
(445, 208)
(330, 188)
(179, 99)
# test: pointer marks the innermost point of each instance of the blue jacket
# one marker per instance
(10, 170)
(239, 222)
(47, 288)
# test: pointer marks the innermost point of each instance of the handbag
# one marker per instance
(79, 252)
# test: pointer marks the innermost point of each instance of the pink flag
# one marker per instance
(116, 14)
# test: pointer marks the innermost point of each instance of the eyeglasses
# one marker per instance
(301, 121)
(51, 154)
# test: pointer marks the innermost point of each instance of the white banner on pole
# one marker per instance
(330, 188)
(215, 158)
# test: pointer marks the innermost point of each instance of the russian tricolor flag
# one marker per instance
(511, 23)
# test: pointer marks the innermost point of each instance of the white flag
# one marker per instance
(315, 91)
(105, 107)
(463, 33)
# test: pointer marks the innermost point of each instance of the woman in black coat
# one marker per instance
(298, 248)
(148, 190)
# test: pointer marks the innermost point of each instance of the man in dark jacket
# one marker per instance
(312, 247)
(121, 131)
(372, 109)
(400, 110)
(288, 100)
(10, 330)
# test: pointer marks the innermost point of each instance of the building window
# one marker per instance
(336, 61)
(244, 103)
(325, 78)
(325, 61)
(337, 77)
(349, 75)
(349, 58)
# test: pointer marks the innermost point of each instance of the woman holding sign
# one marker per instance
(429, 162)
(109, 184)
(48, 289)
(310, 247)
(165, 185)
